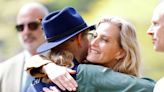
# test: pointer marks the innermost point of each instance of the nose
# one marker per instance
(150, 31)
(26, 30)
(94, 42)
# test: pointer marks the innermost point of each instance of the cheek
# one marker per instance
(85, 44)
(39, 31)
(106, 52)
(106, 49)
(110, 52)
(107, 55)
(39, 34)
(159, 30)
(160, 36)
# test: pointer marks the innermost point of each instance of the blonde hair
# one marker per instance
(59, 57)
(130, 63)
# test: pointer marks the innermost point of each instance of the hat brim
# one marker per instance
(49, 45)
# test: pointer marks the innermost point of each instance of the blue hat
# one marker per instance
(60, 26)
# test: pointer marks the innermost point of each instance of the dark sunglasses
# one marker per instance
(32, 26)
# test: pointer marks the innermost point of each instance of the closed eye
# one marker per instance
(94, 35)
(105, 39)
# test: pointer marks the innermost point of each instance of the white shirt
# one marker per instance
(26, 76)
(159, 86)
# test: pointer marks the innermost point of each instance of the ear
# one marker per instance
(120, 54)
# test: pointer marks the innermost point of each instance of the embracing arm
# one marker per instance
(36, 66)
(98, 78)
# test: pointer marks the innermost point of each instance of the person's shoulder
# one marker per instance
(92, 69)
(159, 85)
(11, 64)
(13, 59)
(91, 66)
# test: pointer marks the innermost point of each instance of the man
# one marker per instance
(73, 40)
(13, 78)
(156, 30)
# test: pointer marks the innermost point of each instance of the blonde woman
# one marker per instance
(115, 45)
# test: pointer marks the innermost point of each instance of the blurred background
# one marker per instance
(139, 12)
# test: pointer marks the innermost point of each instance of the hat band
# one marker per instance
(80, 27)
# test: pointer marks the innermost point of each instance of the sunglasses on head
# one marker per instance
(31, 25)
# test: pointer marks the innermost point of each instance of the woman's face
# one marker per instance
(105, 49)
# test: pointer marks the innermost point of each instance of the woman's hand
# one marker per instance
(61, 76)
